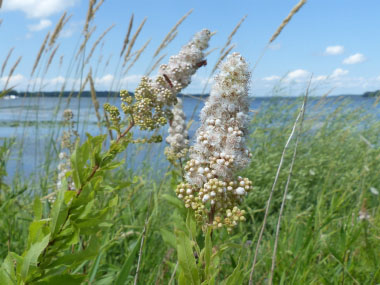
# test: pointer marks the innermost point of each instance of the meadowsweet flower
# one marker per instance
(153, 98)
(220, 150)
(178, 135)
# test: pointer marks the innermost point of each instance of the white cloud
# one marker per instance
(38, 8)
(339, 72)
(105, 80)
(320, 78)
(298, 74)
(334, 50)
(271, 78)
(355, 58)
(14, 80)
(43, 24)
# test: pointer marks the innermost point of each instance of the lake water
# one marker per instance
(31, 121)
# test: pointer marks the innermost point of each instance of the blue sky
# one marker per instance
(337, 42)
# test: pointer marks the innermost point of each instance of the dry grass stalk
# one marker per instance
(6, 61)
(108, 61)
(58, 28)
(270, 198)
(229, 39)
(97, 43)
(139, 52)
(1, 20)
(42, 48)
(302, 112)
(94, 99)
(51, 57)
(169, 37)
(287, 20)
(85, 40)
(155, 64)
(133, 40)
(12, 71)
(279, 29)
(210, 52)
(126, 39)
(90, 15)
(97, 7)
(1, 3)
(60, 61)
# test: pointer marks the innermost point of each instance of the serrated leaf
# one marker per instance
(59, 211)
(186, 258)
(31, 256)
(71, 260)
(7, 271)
(36, 231)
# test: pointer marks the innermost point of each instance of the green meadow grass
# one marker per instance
(322, 238)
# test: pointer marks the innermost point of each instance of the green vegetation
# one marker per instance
(330, 227)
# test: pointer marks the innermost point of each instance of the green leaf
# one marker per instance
(37, 231)
(7, 271)
(72, 260)
(191, 224)
(174, 201)
(208, 252)
(31, 256)
(59, 211)
(169, 238)
(186, 258)
(126, 269)
(37, 208)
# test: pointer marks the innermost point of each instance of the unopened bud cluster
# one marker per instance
(178, 134)
(150, 108)
(220, 150)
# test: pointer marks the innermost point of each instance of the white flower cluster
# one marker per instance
(177, 73)
(220, 150)
(220, 147)
(178, 135)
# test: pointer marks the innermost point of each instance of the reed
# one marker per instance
(12, 70)
(133, 40)
(101, 37)
(171, 34)
(287, 20)
(126, 39)
(6, 61)
(51, 57)
(95, 101)
(40, 52)
(58, 29)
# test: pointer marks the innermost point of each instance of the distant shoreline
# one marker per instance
(87, 94)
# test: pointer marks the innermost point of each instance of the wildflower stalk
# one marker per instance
(212, 191)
